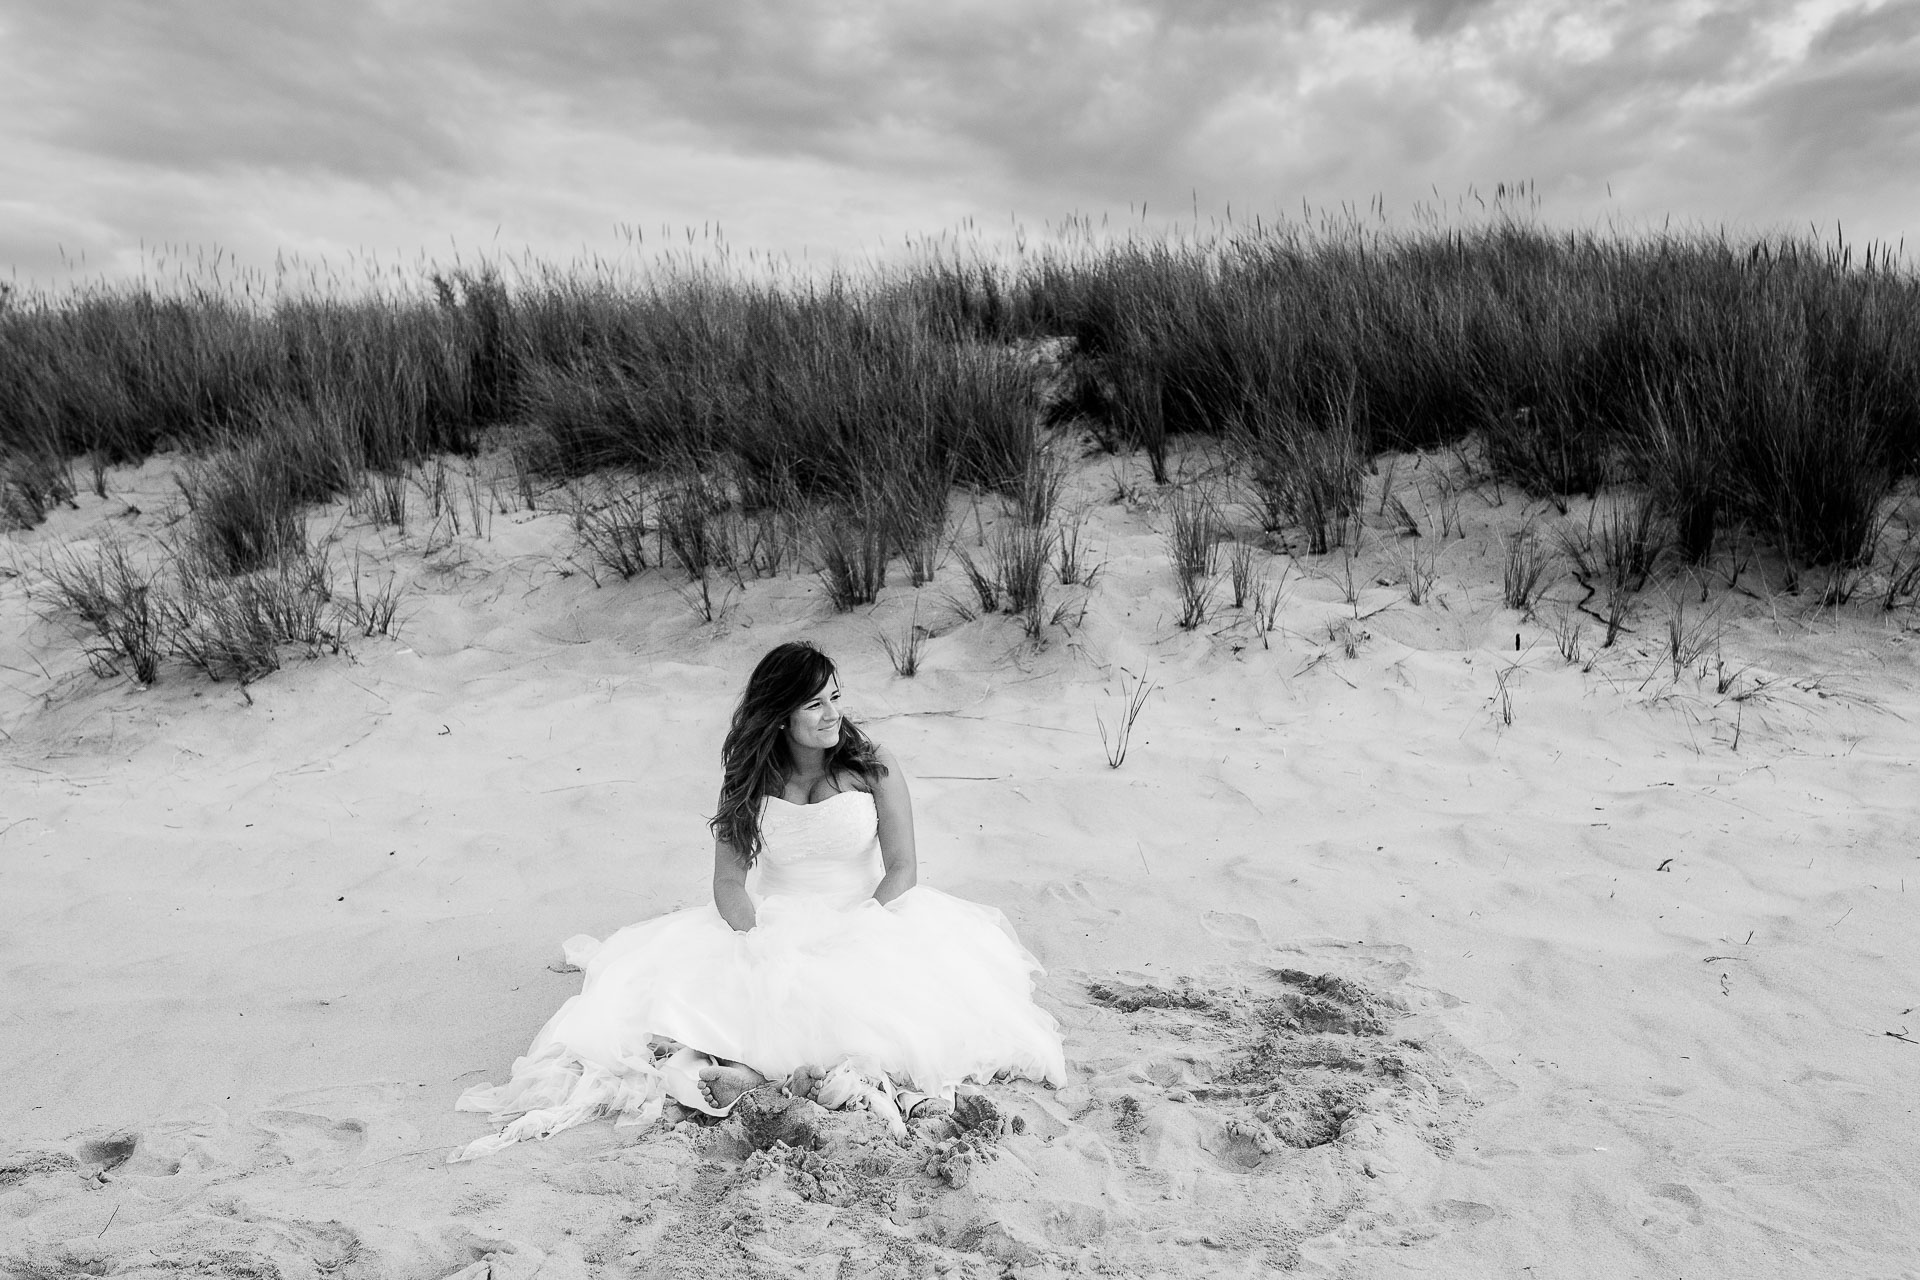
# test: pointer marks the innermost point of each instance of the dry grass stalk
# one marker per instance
(1132, 701)
(1193, 546)
(232, 626)
(612, 531)
(1691, 632)
(1423, 566)
(1037, 492)
(381, 496)
(851, 547)
(1269, 597)
(1319, 481)
(1503, 693)
(709, 599)
(123, 603)
(693, 527)
(1386, 485)
(32, 482)
(904, 653)
(376, 614)
(1567, 631)
(1240, 571)
(986, 586)
(1403, 519)
(1903, 583)
(916, 510)
(1446, 498)
(1612, 556)
(1021, 555)
(1524, 565)
(1070, 554)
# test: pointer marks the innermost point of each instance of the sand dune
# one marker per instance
(1432, 956)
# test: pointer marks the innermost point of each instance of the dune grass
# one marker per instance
(1768, 386)
(1773, 383)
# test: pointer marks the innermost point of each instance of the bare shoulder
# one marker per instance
(889, 778)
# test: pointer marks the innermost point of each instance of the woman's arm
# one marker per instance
(730, 887)
(895, 808)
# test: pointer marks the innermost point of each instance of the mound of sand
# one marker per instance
(254, 945)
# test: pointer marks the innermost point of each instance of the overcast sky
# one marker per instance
(329, 128)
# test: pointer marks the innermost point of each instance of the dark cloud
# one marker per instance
(1727, 110)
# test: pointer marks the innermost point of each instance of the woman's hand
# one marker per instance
(893, 885)
(730, 888)
(740, 915)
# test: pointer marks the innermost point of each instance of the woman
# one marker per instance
(822, 962)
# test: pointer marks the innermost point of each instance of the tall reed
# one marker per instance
(1772, 383)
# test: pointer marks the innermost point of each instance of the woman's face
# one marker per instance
(817, 721)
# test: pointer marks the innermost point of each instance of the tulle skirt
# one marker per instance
(930, 991)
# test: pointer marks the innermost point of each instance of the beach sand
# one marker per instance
(1388, 949)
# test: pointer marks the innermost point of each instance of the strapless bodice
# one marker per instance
(831, 848)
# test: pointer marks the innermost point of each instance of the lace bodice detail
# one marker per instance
(830, 848)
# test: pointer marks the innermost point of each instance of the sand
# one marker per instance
(1388, 948)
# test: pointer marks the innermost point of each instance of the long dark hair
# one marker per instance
(755, 760)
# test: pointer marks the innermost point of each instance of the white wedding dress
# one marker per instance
(928, 991)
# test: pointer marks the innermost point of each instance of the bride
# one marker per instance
(822, 962)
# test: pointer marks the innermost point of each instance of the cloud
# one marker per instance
(212, 85)
(797, 120)
(1850, 109)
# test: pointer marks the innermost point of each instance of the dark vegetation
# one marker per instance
(1769, 386)
(1771, 383)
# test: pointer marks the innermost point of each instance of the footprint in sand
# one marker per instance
(129, 1155)
(1383, 964)
(299, 1137)
(1399, 1228)
(1233, 927)
(1669, 1208)
(1078, 901)
(108, 1153)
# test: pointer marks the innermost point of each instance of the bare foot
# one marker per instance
(839, 1086)
(803, 1082)
(722, 1083)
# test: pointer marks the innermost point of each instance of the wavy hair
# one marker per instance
(755, 759)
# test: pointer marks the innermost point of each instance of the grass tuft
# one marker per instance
(850, 545)
(612, 531)
(1193, 547)
(122, 603)
(1133, 700)
(1021, 554)
(32, 482)
(233, 626)
(1613, 555)
(1524, 565)
(905, 652)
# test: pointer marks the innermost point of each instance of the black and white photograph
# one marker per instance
(1158, 639)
